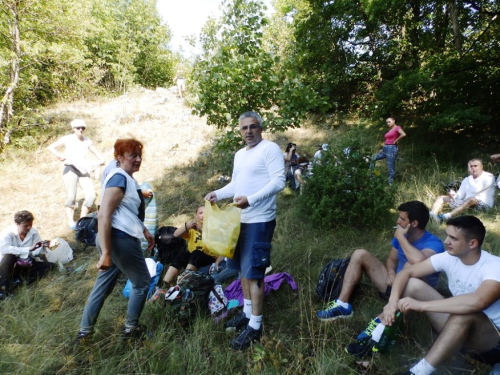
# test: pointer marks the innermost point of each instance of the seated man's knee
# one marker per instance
(359, 254)
(414, 287)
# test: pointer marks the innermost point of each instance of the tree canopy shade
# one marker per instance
(64, 49)
(435, 61)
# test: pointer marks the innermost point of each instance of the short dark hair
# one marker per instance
(23, 217)
(416, 210)
(470, 226)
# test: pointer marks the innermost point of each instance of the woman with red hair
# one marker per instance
(121, 228)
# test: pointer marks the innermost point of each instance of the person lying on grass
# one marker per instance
(411, 244)
(469, 321)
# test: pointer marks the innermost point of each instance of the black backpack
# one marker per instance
(86, 229)
(167, 245)
(331, 279)
(194, 289)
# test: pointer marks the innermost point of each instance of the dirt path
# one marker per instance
(171, 136)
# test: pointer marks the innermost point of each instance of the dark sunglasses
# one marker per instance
(80, 127)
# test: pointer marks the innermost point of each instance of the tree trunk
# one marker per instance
(6, 105)
(457, 36)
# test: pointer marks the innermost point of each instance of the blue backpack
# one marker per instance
(331, 279)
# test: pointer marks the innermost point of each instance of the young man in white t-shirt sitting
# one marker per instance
(469, 320)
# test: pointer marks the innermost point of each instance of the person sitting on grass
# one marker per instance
(411, 244)
(194, 257)
(469, 321)
(21, 241)
(476, 191)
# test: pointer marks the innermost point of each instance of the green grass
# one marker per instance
(39, 323)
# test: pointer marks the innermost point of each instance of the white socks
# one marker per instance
(255, 322)
(345, 305)
(377, 332)
(247, 307)
(423, 368)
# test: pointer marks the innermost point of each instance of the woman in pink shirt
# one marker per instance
(390, 149)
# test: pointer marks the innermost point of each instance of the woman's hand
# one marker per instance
(149, 238)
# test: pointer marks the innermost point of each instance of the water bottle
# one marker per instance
(388, 338)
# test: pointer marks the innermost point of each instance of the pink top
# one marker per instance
(392, 135)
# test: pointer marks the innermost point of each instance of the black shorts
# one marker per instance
(197, 258)
(490, 357)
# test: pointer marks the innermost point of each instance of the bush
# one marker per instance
(344, 190)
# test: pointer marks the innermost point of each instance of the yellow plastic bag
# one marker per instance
(221, 229)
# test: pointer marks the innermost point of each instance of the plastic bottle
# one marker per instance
(388, 338)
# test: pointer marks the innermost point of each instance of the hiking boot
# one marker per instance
(362, 348)
(137, 332)
(334, 311)
(82, 339)
(368, 330)
(245, 338)
(238, 323)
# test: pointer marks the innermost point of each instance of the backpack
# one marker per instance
(86, 229)
(194, 288)
(331, 279)
(167, 245)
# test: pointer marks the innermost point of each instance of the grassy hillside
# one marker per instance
(39, 323)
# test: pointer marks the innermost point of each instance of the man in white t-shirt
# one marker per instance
(258, 175)
(476, 191)
(469, 320)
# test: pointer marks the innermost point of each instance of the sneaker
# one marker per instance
(246, 338)
(158, 293)
(72, 225)
(334, 311)
(368, 330)
(238, 323)
(433, 216)
(362, 348)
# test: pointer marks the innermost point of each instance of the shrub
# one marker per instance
(345, 190)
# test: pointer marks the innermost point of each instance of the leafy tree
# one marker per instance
(435, 62)
(236, 74)
(64, 49)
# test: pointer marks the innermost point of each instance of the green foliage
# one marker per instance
(235, 75)
(345, 191)
(68, 50)
(432, 62)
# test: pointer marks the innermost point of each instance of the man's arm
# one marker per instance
(487, 293)
(392, 265)
(413, 254)
(276, 169)
(418, 270)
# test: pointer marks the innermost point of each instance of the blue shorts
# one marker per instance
(253, 251)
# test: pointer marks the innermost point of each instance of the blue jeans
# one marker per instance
(126, 256)
(389, 152)
(253, 251)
